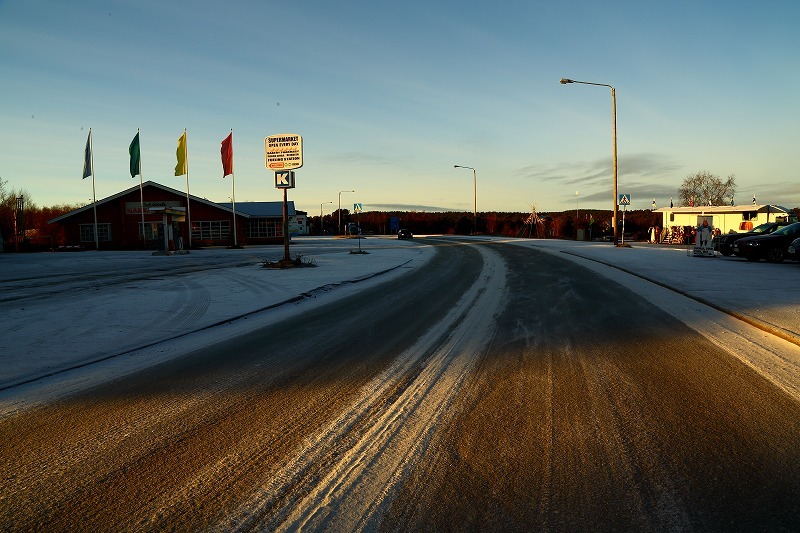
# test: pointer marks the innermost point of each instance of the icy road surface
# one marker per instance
(483, 385)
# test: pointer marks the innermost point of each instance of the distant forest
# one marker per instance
(588, 223)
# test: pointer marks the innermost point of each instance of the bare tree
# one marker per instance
(705, 188)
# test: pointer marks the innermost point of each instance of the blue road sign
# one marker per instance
(624, 199)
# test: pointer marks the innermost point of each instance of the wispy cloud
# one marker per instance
(644, 175)
(410, 207)
(650, 165)
(783, 193)
(362, 158)
(630, 166)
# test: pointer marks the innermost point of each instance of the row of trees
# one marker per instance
(24, 225)
(591, 223)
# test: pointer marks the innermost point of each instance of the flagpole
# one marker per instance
(94, 196)
(233, 193)
(141, 193)
(188, 211)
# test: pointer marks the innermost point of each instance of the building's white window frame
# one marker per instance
(263, 227)
(211, 230)
(87, 232)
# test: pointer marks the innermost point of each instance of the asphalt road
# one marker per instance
(494, 388)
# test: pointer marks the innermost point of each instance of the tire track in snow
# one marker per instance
(369, 457)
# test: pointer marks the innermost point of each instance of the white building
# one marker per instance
(298, 223)
(726, 218)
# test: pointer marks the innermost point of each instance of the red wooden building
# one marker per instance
(119, 221)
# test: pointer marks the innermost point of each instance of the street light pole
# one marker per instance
(475, 198)
(320, 215)
(339, 228)
(614, 117)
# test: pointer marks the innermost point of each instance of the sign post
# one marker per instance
(19, 222)
(358, 208)
(283, 154)
(624, 200)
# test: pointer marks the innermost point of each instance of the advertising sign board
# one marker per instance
(284, 151)
(703, 237)
(135, 208)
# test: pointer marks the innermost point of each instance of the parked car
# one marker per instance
(793, 252)
(773, 247)
(724, 243)
(404, 234)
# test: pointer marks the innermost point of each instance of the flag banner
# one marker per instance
(227, 155)
(136, 158)
(180, 168)
(87, 157)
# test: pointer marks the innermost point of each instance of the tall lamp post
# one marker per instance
(320, 215)
(338, 229)
(475, 202)
(614, 116)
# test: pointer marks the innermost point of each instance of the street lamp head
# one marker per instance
(456, 166)
(564, 81)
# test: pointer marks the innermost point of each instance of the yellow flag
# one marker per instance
(180, 168)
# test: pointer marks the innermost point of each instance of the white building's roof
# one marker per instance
(721, 209)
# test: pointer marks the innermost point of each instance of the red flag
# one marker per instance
(227, 155)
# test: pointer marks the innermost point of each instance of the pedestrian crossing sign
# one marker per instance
(624, 199)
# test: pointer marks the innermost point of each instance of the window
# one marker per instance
(263, 227)
(672, 217)
(211, 230)
(150, 231)
(749, 215)
(103, 232)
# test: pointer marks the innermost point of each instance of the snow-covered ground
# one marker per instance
(109, 315)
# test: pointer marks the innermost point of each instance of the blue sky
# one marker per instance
(389, 96)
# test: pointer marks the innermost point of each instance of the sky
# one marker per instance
(388, 97)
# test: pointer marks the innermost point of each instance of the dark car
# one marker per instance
(404, 234)
(724, 243)
(772, 247)
(793, 252)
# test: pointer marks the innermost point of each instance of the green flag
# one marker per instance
(136, 158)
